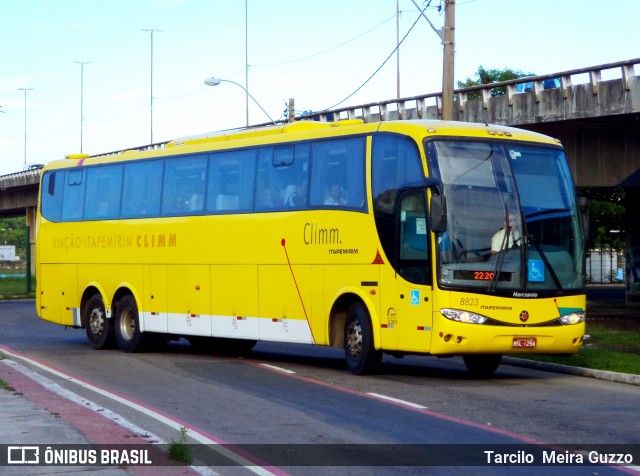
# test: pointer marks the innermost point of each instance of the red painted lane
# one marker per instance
(94, 426)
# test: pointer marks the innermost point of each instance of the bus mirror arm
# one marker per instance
(435, 184)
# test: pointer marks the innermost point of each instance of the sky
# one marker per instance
(318, 52)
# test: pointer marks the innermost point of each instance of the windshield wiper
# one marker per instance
(501, 255)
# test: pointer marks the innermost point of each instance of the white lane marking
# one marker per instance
(397, 400)
(279, 369)
(150, 413)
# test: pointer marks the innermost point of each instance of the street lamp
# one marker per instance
(152, 31)
(81, 63)
(215, 81)
(25, 121)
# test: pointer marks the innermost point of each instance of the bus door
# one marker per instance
(407, 292)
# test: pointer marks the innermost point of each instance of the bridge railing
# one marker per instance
(25, 177)
(414, 107)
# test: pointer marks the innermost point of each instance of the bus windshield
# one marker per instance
(512, 222)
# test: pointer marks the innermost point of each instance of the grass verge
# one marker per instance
(609, 347)
(13, 288)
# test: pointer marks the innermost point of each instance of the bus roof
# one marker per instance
(297, 131)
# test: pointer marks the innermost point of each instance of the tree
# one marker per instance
(488, 76)
(606, 217)
(13, 231)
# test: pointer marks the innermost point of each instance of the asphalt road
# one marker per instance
(294, 394)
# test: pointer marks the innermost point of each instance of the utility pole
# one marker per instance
(448, 66)
(398, 48)
(246, 59)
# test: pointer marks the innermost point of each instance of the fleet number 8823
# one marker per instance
(469, 301)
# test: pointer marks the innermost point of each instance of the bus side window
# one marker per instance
(265, 181)
(231, 182)
(102, 198)
(337, 178)
(413, 248)
(142, 189)
(53, 190)
(283, 174)
(184, 177)
(295, 193)
(72, 206)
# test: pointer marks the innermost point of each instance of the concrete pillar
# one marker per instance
(632, 251)
(31, 223)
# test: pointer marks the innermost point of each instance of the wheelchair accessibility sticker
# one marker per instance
(535, 270)
(415, 297)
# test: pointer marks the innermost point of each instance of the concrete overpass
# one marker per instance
(18, 192)
(597, 121)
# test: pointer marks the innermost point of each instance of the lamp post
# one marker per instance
(246, 61)
(151, 31)
(215, 81)
(25, 121)
(81, 63)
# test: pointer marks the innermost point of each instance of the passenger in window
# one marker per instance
(335, 196)
(196, 202)
(295, 196)
(507, 237)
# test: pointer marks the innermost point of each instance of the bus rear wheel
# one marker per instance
(127, 325)
(100, 330)
(482, 365)
(360, 353)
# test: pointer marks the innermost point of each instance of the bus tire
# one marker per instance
(361, 356)
(100, 329)
(127, 325)
(482, 365)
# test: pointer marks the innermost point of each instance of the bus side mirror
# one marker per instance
(438, 213)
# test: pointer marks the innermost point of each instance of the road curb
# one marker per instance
(617, 377)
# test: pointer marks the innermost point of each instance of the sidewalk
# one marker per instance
(34, 415)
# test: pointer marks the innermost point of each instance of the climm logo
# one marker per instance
(314, 235)
(160, 240)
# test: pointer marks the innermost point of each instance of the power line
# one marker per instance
(329, 49)
(383, 63)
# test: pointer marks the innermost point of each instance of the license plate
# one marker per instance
(524, 343)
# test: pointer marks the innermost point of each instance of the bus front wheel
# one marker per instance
(360, 353)
(127, 325)
(482, 365)
(100, 330)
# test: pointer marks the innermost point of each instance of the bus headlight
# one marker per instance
(573, 318)
(463, 316)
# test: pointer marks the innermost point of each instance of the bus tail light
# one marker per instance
(463, 316)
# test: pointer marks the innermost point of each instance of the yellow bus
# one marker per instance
(399, 237)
